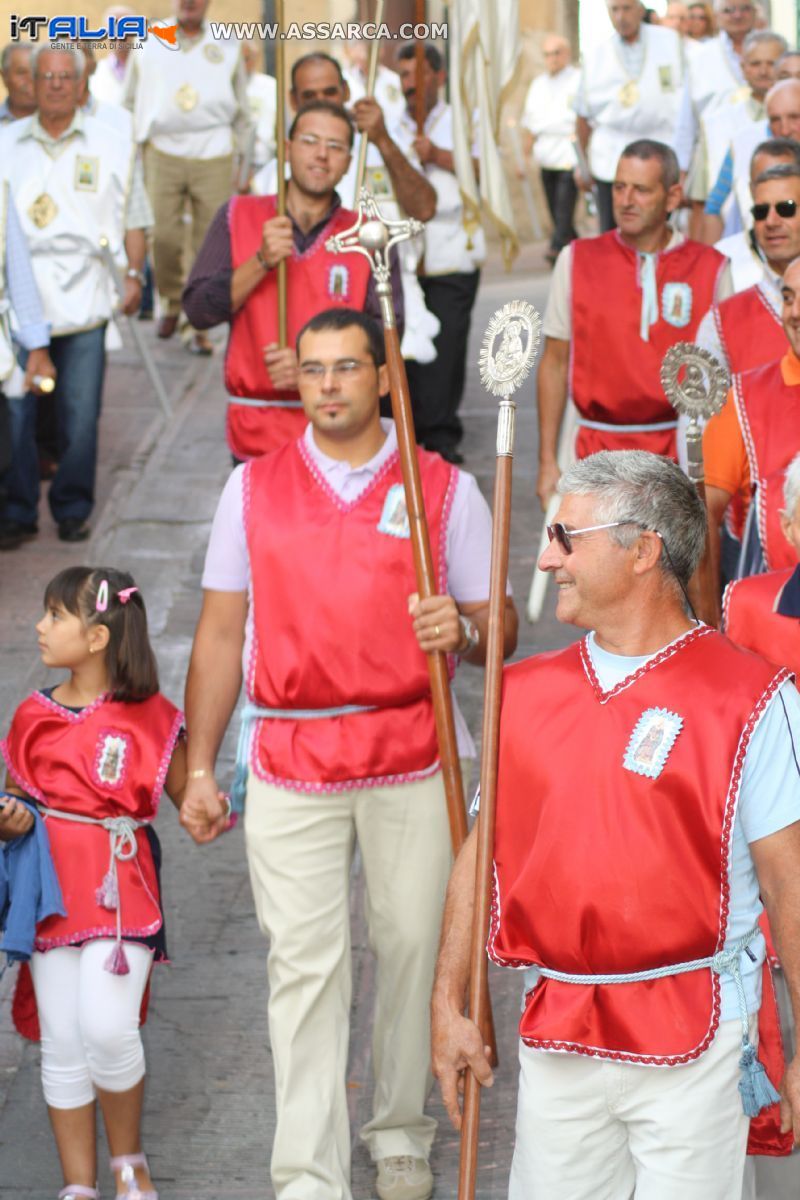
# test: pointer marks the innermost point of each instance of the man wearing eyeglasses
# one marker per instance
(309, 565)
(235, 279)
(748, 445)
(640, 818)
(606, 356)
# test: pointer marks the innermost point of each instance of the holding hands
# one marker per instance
(204, 811)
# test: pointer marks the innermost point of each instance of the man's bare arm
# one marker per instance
(551, 402)
(777, 863)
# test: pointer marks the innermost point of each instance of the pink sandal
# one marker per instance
(77, 1190)
(125, 1163)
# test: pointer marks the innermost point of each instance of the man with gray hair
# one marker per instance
(15, 68)
(643, 959)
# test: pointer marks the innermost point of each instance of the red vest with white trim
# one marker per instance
(750, 619)
(749, 330)
(769, 417)
(108, 760)
(331, 582)
(315, 280)
(613, 837)
(614, 374)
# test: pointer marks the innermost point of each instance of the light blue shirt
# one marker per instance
(31, 330)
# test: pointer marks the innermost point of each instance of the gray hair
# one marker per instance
(77, 56)
(8, 50)
(791, 487)
(649, 148)
(650, 492)
(757, 37)
(787, 170)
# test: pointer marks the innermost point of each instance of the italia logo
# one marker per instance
(54, 29)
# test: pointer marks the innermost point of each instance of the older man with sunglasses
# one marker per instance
(634, 839)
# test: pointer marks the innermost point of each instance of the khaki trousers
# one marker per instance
(177, 185)
(299, 851)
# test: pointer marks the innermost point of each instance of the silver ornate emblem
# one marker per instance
(509, 347)
(694, 381)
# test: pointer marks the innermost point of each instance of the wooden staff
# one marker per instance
(419, 59)
(372, 71)
(375, 237)
(280, 145)
(497, 373)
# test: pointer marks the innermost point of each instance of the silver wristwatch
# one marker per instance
(471, 633)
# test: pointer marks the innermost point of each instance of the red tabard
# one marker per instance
(315, 280)
(750, 619)
(601, 869)
(769, 417)
(331, 583)
(108, 760)
(614, 374)
(750, 330)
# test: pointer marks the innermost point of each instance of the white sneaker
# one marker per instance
(402, 1177)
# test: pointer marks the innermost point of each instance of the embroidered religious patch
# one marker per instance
(394, 518)
(339, 282)
(87, 171)
(665, 78)
(111, 758)
(676, 304)
(379, 183)
(651, 741)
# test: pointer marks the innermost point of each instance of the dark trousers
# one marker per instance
(5, 445)
(79, 359)
(437, 387)
(605, 208)
(562, 193)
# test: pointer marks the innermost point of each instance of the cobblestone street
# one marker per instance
(209, 1111)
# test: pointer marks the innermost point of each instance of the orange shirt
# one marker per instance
(724, 455)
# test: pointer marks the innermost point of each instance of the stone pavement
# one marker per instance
(209, 1110)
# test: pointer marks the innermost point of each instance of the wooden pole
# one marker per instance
(419, 58)
(280, 145)
(372, 71)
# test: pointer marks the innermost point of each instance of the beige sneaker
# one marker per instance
(402, 1177)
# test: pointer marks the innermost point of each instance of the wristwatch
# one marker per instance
(132, 273)
(472, 635)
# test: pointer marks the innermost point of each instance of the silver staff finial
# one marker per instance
(373, 235)
(696, 384)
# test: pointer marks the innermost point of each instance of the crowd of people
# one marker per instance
(646, 871)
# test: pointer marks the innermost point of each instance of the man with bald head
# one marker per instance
(630, 88)
(15, 68)
(549, 124)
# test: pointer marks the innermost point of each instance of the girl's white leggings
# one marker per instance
(89, 1020)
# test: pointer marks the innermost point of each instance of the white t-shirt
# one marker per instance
(549, 114)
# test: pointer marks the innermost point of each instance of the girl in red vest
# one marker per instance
(94, 753)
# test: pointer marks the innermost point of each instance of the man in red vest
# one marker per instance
(638, 820)
(762, 612)
(235, 279)
(309, 567)
(745, 330)
(617, 303)
(749, 444)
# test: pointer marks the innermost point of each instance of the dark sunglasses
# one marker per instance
(564, 536)
(784, 208)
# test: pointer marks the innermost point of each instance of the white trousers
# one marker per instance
(89, 1021)
(299, 850)
(591, 1129)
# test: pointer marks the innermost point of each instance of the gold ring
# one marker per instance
(436, 630)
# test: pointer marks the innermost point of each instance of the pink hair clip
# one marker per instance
(101, 603)
(125, 594)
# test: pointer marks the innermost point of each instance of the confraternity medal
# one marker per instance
(213, 53)
(629, 94)
(43, 210)
(186, 97)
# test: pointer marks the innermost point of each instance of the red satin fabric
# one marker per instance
(769, 416)
(750, 330)
(56, 756)
(602, 870)
(331, 623)
(750, 619)
(614, 375)
(589, 441)
(313, 282)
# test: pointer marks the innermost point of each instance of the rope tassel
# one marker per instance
(107, 895)
(117, 961)
(754, 1087)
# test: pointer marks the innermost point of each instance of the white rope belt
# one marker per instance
(605, 427)
(254, 402)
(755, 1088)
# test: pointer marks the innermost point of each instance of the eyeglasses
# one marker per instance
(564, 536)
(784, 208)
(340, 370)
(61, 76)
(310, 141)
(737, 10)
